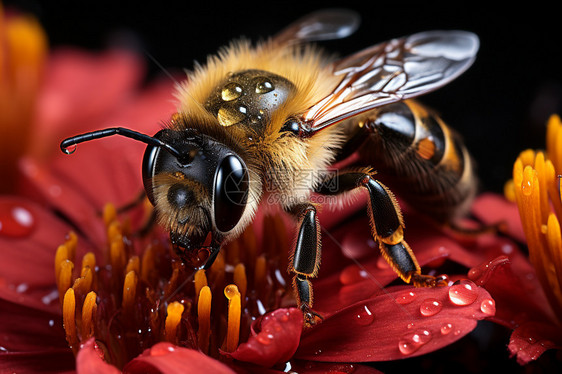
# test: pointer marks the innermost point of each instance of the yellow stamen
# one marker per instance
(129, 291)
(61, 255)
(204, 318)
(114, 231)
(217, 270)
(71, 243)
(240, 280)
(555, 244)
(88, 314)
(233, 322)
(554, 141)
(133, 265)
(117, 255)
(83, 285)
(147, 265)
(69, 319)
(200, 280)
(109, 214)
(173, 319)
(260, 273)
(89, 260)
(65, 277)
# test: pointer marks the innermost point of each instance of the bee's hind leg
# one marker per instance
(387, 225)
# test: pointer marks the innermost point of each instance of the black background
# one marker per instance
(500, 105)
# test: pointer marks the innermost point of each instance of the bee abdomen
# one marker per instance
(427, 163)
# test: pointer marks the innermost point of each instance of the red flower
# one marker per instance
(132, 306)
(528, 290)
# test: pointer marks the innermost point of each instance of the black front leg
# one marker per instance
(305, 260)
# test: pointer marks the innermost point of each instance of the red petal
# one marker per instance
(79, 92)
(26, 263)
(167, 358)
(27, 330)
(45, 361)
(274, 340)
(90, 360)
(530, 340)
(493, 209)
(375, 329)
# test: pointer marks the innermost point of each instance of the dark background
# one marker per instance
(500, 105)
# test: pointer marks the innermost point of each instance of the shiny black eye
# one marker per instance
(292, 126)
(231, 192)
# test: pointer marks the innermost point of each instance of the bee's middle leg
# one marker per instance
(387, 226)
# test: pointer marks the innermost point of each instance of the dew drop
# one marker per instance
(264, 85)
(488, 307)
(352, 274)
(51, 322)
(284, 317)
(430, 307)
(463, 292)
(264, 338)
(406, 297)
(15, 220)
(231, 91)
(230, 116)
(364, 316)
(412, 341)
(446, 328)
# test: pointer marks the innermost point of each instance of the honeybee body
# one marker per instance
(265, 121)
(419, 156)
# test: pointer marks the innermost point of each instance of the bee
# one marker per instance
(265, 120)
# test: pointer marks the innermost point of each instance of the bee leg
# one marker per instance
(387, 225)
(305, 260)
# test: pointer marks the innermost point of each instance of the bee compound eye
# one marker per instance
(230, 192)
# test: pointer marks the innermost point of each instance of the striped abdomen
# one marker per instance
(424, 161)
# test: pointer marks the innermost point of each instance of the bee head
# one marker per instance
(198, 186)
(200, 196)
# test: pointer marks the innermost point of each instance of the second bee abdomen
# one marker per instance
(426, 162)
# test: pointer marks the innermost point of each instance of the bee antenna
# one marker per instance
(68, 145)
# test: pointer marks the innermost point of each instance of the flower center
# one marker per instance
(536, 189)
(133, 301)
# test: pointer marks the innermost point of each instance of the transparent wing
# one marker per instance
(396, 70)
(325, 24)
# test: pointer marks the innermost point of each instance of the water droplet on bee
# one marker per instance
(70, 149)
(264, 85)
(430, 307)
(463, 292)
(229, 116)
(231, 91)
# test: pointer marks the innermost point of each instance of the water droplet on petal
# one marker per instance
(231, 91)
(488, 307)
(364, 316)
(264, 338)
(15, 220)
(463, 292)
(352, 274)
(446, 328)
(412, 341)
(430, 307)
(405, 297)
